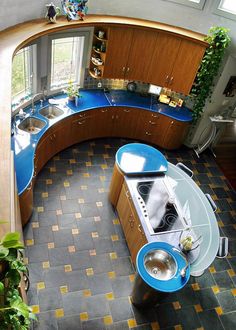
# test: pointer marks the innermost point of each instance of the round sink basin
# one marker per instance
(160, 264)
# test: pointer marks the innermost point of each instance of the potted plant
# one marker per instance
(72, 91)
(14, 312)
(218, 40)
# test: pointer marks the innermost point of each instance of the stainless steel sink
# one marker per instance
(31, 125)
(160, 264)
(51, 112)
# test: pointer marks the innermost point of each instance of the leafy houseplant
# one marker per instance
(72, 90)
(218, 40)
(14, 313)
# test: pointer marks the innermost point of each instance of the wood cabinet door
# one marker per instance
(43, 151)
(102, 122)
(174, 134)
(140, 55)
(163, 59)
(186, 66)
(125, 121)
(118, 47)
(61, 136)
(81, 127)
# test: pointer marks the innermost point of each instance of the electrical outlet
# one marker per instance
(99, 85)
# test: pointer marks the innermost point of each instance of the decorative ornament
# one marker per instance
(75, 9)
(52, 12)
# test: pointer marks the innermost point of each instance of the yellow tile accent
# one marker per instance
(81, 201)
(26, 260)
(90, 153)
(114, 238)
(29, 242)
(51, 245)
(97, 219)
(35, 224)
(215, 289)
(94, 234)
(83, 187)
(86, 175)
(110, 296)
(92, 144)
(219, 310)
(75, 231)
(63, 289)
(40, 285)
(66, 184)
(113, 255)
(89, 271)
(105, 156)
(233, 292)
(53, 169)
(176, 305)
(155, 326)
(178, 327)
(88, 164)
(195, 286)
(35, 309)
(49, 181)
(132, 277)
(101, 190)
(87, 293)
(132, 323)
(104, 166)
(99, 204)
(55, 228)
(107, 320)
(56, 157)
(83, 316)
(59, 312)
(72, 161)
(111, 274)
(198, 308)
(45, 264)
(200, 328)
(69, 172)
(67, 268)
(231, 272)
(212, 269)
(44, 194)
(77, 215)
(59, 212)
(40, 209)
(116, 221)
(71, 248)
(102, 178)
(220, 223)
(92, 252)
(107, 146)
(63, 198)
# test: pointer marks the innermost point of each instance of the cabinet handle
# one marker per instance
(147, 133)
(126, 110)
(34, 175)
(140, 229)
(171, 80)
(82, 115)
(30, 186)
(167, 78)
(51, 137)
(117, 117)
(54, 135)
(81, 122)
(127, 70)
(172, 123)
(104, 110)
(123, 69)
(152, 122)
(127, 194)
(155, 116)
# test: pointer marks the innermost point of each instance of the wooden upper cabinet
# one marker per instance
(117, 52)
(186, 66)
(175, 63)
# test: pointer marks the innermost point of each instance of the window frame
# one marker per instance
(222, 12)
(86, 34)
(189, 3)
(32, 67)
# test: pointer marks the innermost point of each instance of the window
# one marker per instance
(199, 4)
(226, 8)
(66, 61)
(23, 73)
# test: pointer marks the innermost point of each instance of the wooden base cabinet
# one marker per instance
(26, 204)
(130, 222)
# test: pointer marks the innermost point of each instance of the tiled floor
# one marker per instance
(80, 270)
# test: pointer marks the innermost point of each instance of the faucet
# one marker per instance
(33, 99)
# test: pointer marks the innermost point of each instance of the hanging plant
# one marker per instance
(218, 40)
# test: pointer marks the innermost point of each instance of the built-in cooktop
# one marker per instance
(157, 204)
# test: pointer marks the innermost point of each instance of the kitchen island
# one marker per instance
(195, 214)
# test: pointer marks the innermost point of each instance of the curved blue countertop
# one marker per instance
(24, 144)
(139, 158)
(175, 283)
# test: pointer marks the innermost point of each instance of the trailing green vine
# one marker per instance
(218, 40)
